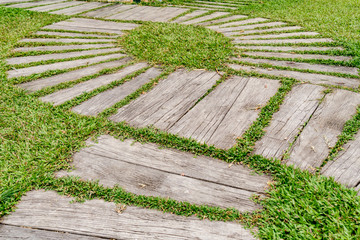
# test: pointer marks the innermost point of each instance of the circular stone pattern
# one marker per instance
(178, 45)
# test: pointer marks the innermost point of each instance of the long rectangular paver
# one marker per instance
(243, 22)
(230, 31)
(277, 29)
(227, 112)
(168, 101)
(66, 40)
(33, 4)
(108, 98)
(45, 57)
(61, 65)
(345, 168)
(298, 56)
(97, 218)
(321, 132)
(289, 48)
(79, 9)
(67, 94)
(72, 34)
(302, 76)
(63, 47)
(205, 18)
(144, 169)
(279, 35)
(56, 6)
(108, 11)
(69, 76)
(285, 41)
(302, 65)
(295, 111)
(224, 19)
(190, 15)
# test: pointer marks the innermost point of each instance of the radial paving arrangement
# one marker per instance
(65, 63)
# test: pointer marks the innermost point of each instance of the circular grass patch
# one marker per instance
(178, 45)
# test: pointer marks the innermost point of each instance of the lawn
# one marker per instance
(37, 139)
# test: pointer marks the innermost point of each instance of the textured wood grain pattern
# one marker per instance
(295, 111)
(79, 9)
(190, 15)
(56, 6)
(284, 41)
(298, 56)
(67, 94)
(63, 47)
(71, 34)
(230, 31)
(8, 232)
(227, 112)
(289, 48)
(67, 40)
(38, 58)
(146, 13)
(278, 29)
(224, 19)
(321, 132)
(301, 65)
(108, 11)
(169, 100)
(279, 35)
(302, 76)
(243, 22)
(92, 25)
(13, 1)
(205, 18)
(69, 76)
(33, 4)
(50, 211)
(108, 98)
(345, 168)
(61, 65)
(147, 170)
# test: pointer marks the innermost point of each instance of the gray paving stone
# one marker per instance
(61, 65)
(286, 124)
(345, 168)
(106, 99)
(33, 4)
(56, 6)
(64, 95)
(279, 29)
(299, 56)
(108, 11)
(79, 9)
(70, 76)
(280, 35)
(231, 31)
(63, 47)
(289, 48)
(302, 76)
(211, 6)
(225, 19)
(227, 112)
(321, 132)
(70, 34)
(144, 169)
(301, 65)
(67, 40)
(188, 16)
(13, 1)
(205, 18)
(284, 41)
(243, 22)
(38, 58)
(97, 218)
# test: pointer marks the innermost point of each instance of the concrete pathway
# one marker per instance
(301, 133)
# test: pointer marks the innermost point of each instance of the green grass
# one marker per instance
(178, 45)
(37, 140)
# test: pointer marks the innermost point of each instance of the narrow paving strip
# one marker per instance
(227, 112)
(144, 169)
(46, 212)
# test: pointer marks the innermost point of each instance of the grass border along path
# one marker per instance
(37, 139)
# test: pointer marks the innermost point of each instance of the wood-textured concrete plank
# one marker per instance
(64, 95)
(285, 41)
(278, 29)
(279, 35)
(63, 47)
(13, 1)
(69, 76)
(302, 65)
(71, 34)
(169, 100)
(96, 218)
(56, 6)
(67, 40)
(33, 4)
(302, 76)
(9, 232)
(289, 48)
(244, 22)
(230, 31)
(285, 125)
(108, 98)
(79, 9)
(225, 19)
(345, 168)
(227, 112)
(298, 56)
(54, 56)
(205, 18)
(61, 65)
(145, 169)
(190, 15)
(108, 11)
(321, 132)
